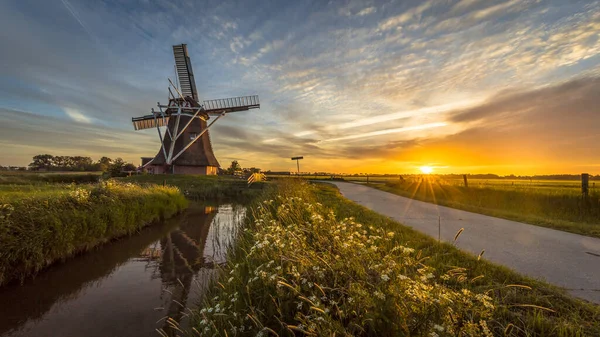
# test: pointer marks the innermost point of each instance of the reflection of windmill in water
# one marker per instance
(185, 144)
(182, 258)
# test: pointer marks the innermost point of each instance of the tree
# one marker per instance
(129, 167)
(104, 164)
(234, 168)
(42, 162)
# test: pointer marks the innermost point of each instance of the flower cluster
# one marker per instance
(80, 195)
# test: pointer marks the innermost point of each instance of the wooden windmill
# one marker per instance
(185, 142)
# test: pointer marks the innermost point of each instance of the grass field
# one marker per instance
(28, 178)
(202, 187)
(313, 263)
(43, 223)
(553, 204)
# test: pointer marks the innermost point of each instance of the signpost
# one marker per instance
(297, 159)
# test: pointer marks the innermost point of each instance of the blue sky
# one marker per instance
(354, 86)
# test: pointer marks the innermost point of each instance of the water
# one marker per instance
(127, 287)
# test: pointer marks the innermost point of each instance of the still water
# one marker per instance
(128, 287)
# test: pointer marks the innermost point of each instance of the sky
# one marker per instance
(465, 86)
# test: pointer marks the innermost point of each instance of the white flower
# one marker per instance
(385, 278)
(379, 295)
(438, 327)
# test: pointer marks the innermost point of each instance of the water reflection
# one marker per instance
(129, 287)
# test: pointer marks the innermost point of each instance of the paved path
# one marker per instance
(568, 260)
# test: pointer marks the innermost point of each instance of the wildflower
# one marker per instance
(379, 295)
(438, 327)
(385, 278)
(230, 279)
(350, 300)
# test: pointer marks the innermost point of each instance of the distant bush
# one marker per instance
(38, 229)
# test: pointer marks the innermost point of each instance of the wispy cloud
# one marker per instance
(387, 132)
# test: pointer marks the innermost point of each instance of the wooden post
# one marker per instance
(466, 182)
(367, 178)
(585, 184)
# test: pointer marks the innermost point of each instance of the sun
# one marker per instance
(426, 169)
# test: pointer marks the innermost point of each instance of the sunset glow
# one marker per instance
(426, 169)
(508, 87)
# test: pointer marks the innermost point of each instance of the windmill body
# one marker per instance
(185, 142)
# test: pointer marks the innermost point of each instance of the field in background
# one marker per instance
(554, 204)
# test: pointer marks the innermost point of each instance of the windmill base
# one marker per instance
(182, 169)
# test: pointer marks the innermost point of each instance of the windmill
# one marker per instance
(185, 142)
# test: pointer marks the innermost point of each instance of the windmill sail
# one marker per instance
(184, 71)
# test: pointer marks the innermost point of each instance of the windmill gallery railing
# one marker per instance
(215, 106)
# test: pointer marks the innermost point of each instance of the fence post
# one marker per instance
(466, 182)
(585, 184)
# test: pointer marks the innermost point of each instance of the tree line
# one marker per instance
(48, 162)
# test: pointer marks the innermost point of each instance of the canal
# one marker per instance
(128, 287)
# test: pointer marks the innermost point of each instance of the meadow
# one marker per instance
(201, 187)
(313, 263)
(28, 178)
(554, 204)
(42, 223)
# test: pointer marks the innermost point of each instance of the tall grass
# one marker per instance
(555, 207)
(311, 263)
(38, 229)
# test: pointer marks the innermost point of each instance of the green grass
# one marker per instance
(28, 178)
(200, 187)
(557, 207)
(311, 262)
(40, 225)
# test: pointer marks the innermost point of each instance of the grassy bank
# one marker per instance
(310, 262)
(42, 225)
(556, 207)
(200, 187)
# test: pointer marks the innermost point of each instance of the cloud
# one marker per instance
(77, 116)
(388, 131)
(367, 11)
